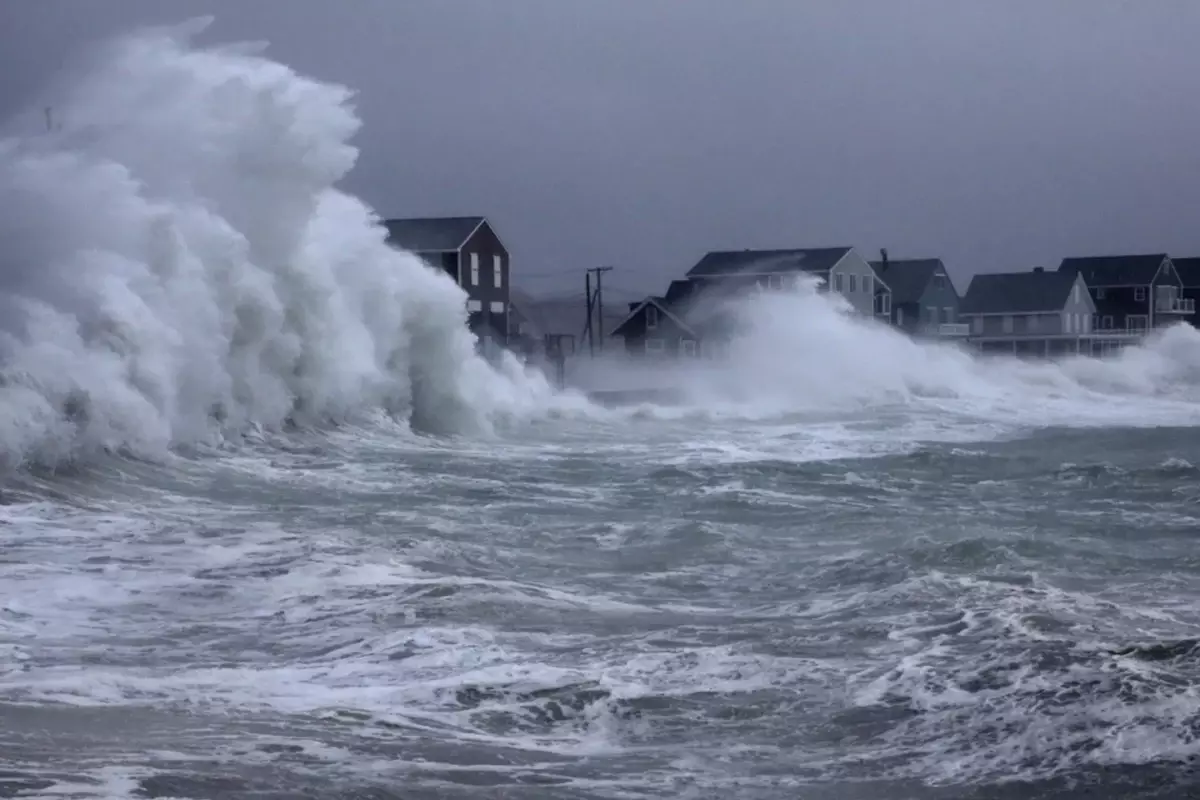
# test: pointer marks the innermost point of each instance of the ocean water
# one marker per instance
(271, 529)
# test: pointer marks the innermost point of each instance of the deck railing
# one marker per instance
(1176, 305)
(954, 329)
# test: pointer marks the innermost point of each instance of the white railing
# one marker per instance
(1176, 305)
(954, 329)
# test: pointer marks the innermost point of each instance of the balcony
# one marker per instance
(1175, 305)
(954, 329)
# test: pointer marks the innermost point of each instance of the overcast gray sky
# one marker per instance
(641, 133)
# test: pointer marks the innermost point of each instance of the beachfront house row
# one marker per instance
(470, 251)
(1034, 313)
(923, 299)
(1188, 270)
(1133, 293)
(688, 321)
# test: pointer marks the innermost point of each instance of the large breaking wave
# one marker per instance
(177, 263)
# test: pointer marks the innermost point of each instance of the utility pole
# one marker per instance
(598, 299)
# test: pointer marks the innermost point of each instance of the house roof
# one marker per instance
(1129, 270)
(1017, 292)
(659, 303)
(431, 234)
(907, 278)
(1188, 269)
(731, 262)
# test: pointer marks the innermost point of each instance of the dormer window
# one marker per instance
(651, 317)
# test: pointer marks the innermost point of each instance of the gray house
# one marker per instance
(693, 319)
(1036, 313)
(1133, 293)
(840, 269)
(1188, 270)
(470, 251)
(923, 300)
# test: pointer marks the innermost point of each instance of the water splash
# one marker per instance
(178, 264)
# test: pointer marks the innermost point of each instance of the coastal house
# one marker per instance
(469, 250)
(1132, 293)
(1188, 270)
(840, 269)
(653, 328)
(1036, 313)
(689, 319)
(923, 299)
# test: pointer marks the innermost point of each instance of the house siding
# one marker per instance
(486, 321)
(636, 333)
(938, 304)
(862, 297)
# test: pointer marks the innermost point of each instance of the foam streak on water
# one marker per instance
(236, 564)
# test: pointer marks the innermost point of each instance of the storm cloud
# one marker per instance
(640, 134)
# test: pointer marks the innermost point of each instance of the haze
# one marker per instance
(641, 134)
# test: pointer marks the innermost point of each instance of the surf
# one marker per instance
(179, 266)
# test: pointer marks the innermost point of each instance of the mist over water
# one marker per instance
(178, 265)
(845, 564)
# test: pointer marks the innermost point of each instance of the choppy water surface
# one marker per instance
(590, 610)
(847, 565)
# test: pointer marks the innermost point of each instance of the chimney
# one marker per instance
(883, 252)
(1039, 269)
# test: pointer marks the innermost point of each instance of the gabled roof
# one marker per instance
(1017, 293)
(908, 278)
(731, 262)
(431, 234)
(1189, 270)
(661, 305)
(1132, 270)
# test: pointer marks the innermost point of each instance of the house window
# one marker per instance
(837, 282)
(948, 314)
(689, 348)
(1087, 322)
(938, 278)
(885, 304)
(1137, 322)
(853, 283)
(1034, 322)
(1007, 323)
(655, 346)
(651, 317)
(1139, 294)
(474, 269)
(1069, 323)
(497, 271)
(899, 314)
(1075, 293)
(868, 284)
(496, 306)
(1106, 322)
(931, 315)
(1100, 294)
(977, 324)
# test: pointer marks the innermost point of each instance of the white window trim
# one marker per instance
(885, 304)
(651, 318)
(655, 346)
(497, 271)
(1139, 294)
(474, 269)
(496, 306)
